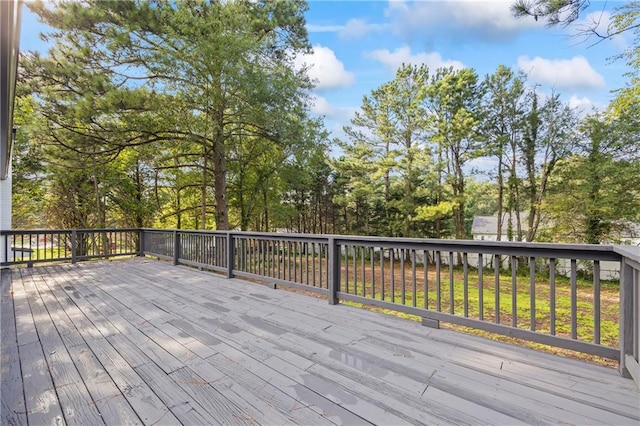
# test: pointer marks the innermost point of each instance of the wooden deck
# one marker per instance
(144, 342)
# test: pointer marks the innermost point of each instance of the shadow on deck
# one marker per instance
(143, 342)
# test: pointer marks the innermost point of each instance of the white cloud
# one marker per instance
(325, 69)
(312, 28)
(484, 19)
(582, 103)
(358, 28)
(402, 55)
(574, 73)
(321, 107)
(585, 105)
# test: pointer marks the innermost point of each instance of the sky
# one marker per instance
(358, 45)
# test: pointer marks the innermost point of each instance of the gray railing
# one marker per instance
(64, 245)
(584, 298)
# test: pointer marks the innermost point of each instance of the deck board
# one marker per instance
(141, 341)
(12, 410)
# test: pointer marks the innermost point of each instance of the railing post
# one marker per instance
(230, 254)
(626, 315)
(176, 247)
(5, 250)
(334, 270)
(74, 246)
(141, 243)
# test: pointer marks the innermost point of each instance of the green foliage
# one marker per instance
(596, 192)
(28, 168)
(178, 102)
(556, 12)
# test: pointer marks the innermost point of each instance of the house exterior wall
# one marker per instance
(5, 212)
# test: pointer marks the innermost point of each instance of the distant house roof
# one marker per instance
(488, 225)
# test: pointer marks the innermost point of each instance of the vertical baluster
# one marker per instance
(596, 302)
(355, 269)
(251, 259)
(373, 272)
(532, 291)
(288, 264)
(438, 281)
(255, 255)
(320, 257)
(451, 292)
(295, 261)
(255, 252)
(425, 271)
(574, 299)
(413, 277)
(313, 264)
(402, 277)
(465, 284)
(363, 259)
(279, 259)
(265, 257)
(306, 248)
(44, 252)
(273, 258)
(392, 270)
(261, 260)
(346, 268)
(246, 244)
(480, 287)
(259, 254)
(381, 273)
(496, 272)
(514, 292)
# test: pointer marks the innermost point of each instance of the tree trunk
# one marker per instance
(220, 183)
(266, 208)
(203, 196)
(500, 198)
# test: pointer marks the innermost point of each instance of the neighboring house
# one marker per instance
(485, 228)
(630, 235)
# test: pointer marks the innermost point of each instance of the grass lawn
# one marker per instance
(609, 303)
(359, 276)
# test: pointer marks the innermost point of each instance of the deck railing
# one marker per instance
(584, 298)
(66, 245)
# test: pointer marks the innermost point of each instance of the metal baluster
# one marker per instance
(596, 302)
(532, 291)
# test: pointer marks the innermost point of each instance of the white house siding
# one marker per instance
(5, 212)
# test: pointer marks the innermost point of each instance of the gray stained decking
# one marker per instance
(141, 341)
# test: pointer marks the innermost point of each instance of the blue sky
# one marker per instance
(358, 45)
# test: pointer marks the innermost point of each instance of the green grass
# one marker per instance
(584, 305)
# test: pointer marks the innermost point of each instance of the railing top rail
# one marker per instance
(630, 254)
(580, 251)
(64, 231)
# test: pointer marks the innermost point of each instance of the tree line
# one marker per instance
(192, 114)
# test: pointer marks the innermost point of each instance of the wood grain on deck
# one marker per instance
(141, 341)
